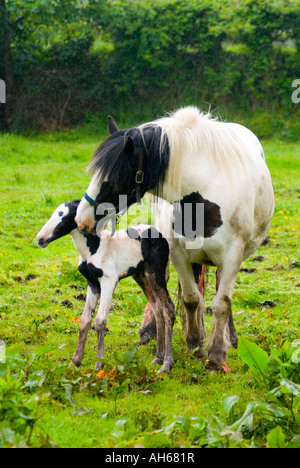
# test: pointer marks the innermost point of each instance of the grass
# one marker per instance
(41, 301)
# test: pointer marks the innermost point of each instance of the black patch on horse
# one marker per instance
(195, 216)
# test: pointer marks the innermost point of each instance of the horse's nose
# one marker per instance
(83, 228)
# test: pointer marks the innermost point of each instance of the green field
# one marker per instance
(43, 403)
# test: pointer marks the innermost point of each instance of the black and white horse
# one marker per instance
(141, 252)
(212, 170)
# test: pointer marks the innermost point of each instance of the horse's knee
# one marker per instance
(222, 308)
(85, 324)
(100, 325)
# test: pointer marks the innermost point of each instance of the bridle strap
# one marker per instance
(139, 179)
(90, 200)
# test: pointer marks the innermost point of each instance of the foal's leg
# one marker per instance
(165, 319)
(147, 329)
(107, 290)
(193, 301)
(92, 298)
(222, 307)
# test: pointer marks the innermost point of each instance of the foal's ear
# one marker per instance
(112, 126)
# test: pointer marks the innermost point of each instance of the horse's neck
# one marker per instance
(80, 244)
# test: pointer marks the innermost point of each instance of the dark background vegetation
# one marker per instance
(71, 62)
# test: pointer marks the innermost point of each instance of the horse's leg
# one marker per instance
(92, 298)
(192, 300)
(232, 331)
(107, 290)
(222, 307)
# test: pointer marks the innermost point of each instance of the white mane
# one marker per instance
(190, 131)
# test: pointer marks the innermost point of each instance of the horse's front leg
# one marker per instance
(232, 331)
(223, 333)
(92, 298)
(107, 289)
(193, 302)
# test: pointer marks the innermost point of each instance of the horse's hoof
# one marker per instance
(220, 368)
(198, 352)
(146, 335)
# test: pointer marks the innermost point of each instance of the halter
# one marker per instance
(134, 196)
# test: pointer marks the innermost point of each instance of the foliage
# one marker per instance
(114, 55)
(22, 392)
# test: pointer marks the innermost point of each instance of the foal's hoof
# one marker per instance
(75, 362)
(166, 367)
(99, 365)
(157, 360)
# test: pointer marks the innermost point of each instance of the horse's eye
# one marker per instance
(60, 213)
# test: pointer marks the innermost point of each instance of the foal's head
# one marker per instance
(61, 223)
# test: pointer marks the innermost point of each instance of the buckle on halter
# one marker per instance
(139, 177)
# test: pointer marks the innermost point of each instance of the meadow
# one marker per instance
(45, 404)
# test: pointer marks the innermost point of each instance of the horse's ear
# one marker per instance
(112, 126)
(129, 147)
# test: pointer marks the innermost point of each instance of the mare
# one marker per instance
(209, 174)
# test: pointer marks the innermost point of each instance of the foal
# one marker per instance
(141, 252)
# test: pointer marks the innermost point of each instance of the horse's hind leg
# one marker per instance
(222, 309)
